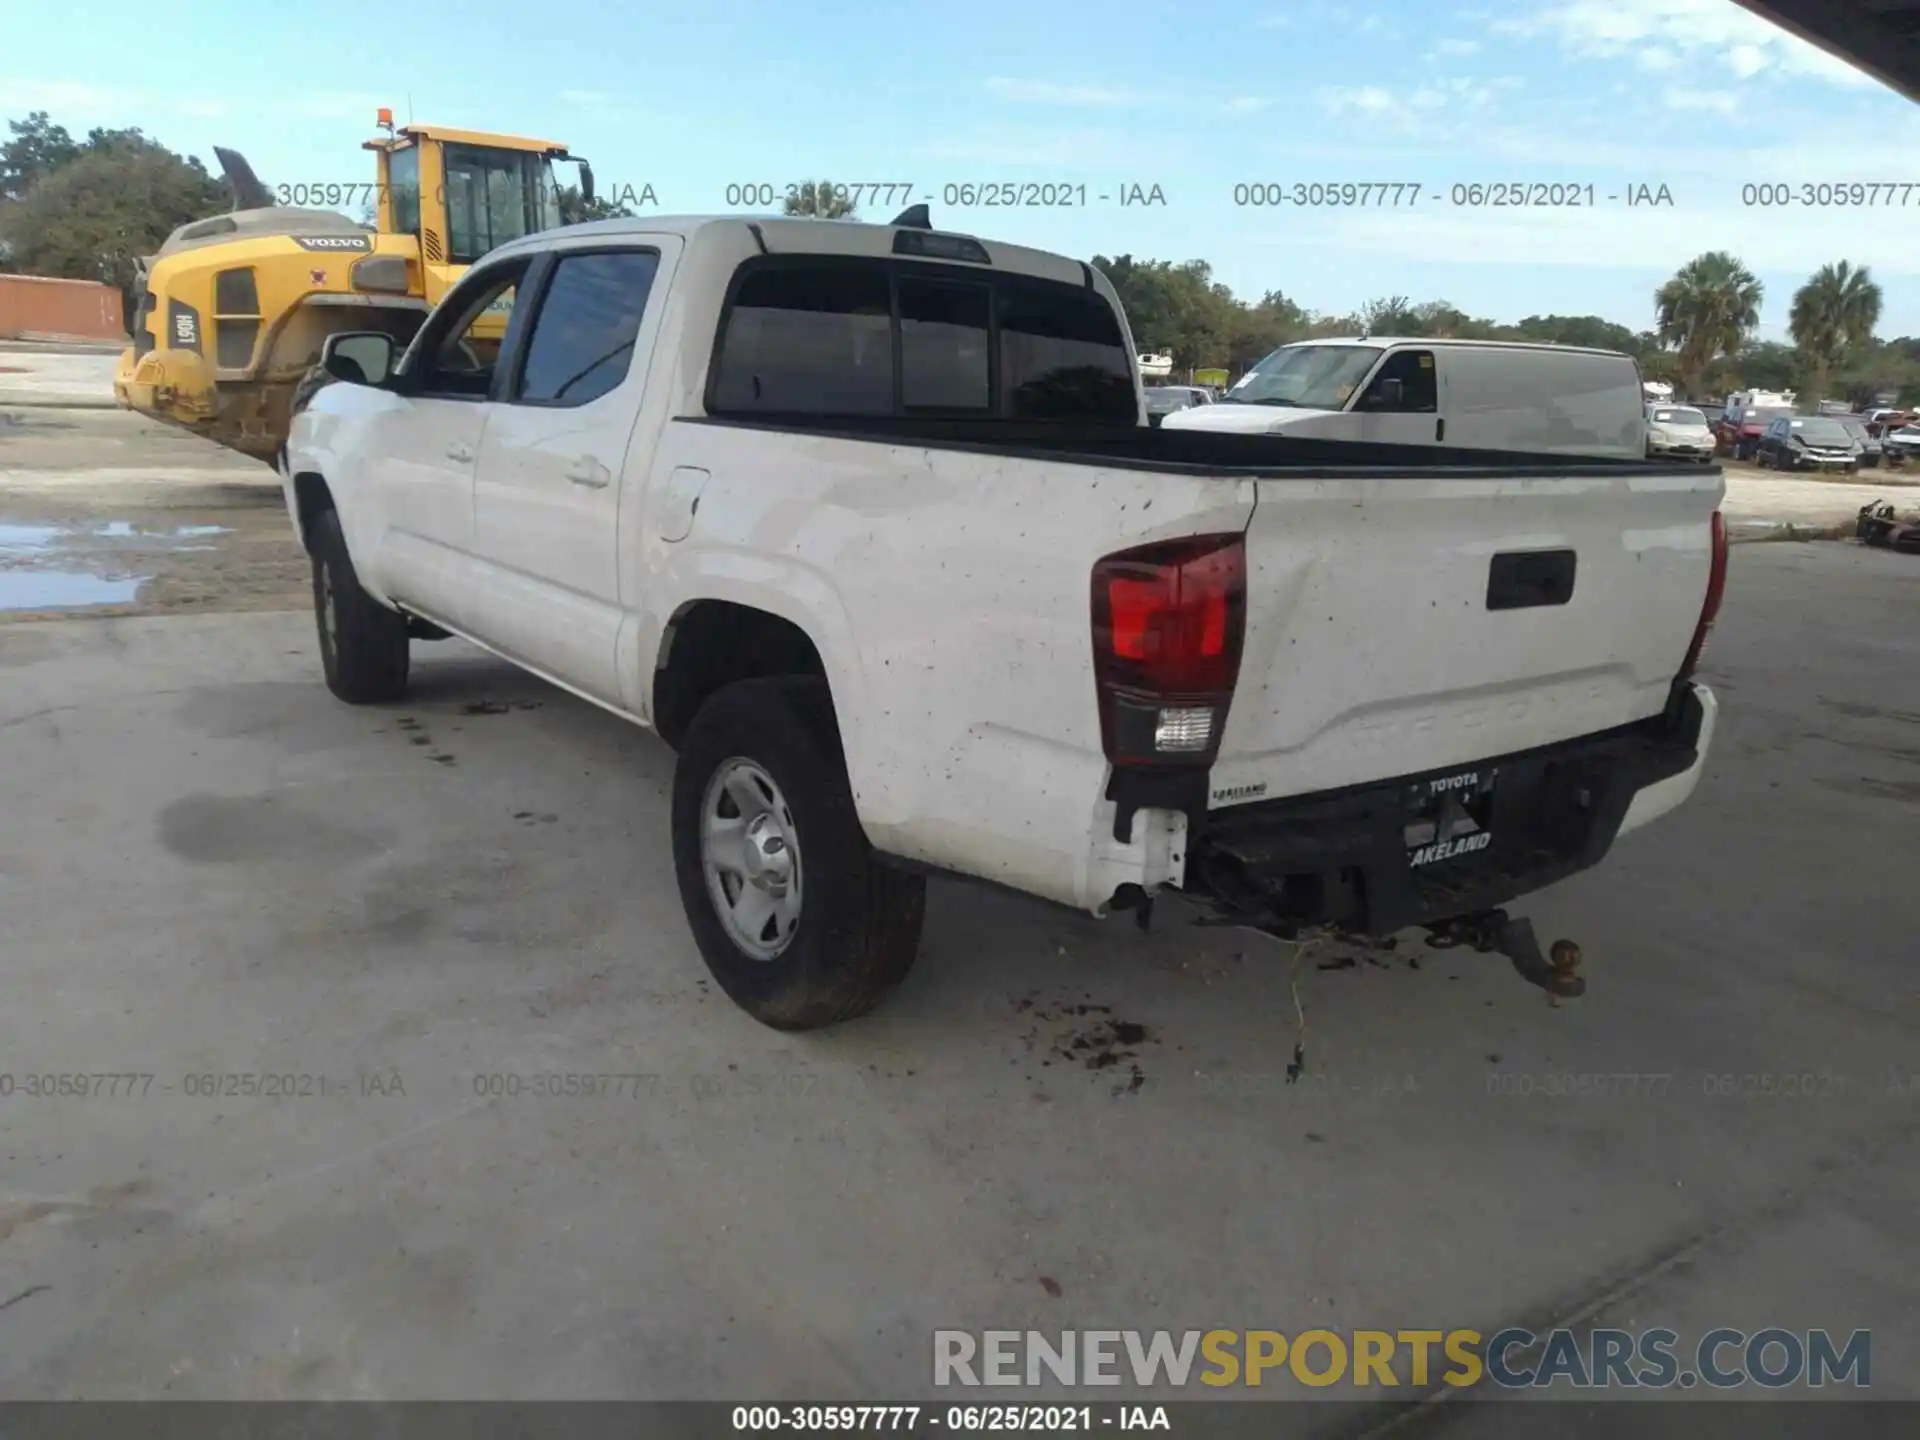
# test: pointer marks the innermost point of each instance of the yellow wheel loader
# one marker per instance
(233, 309)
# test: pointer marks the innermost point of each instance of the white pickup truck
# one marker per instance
(867, 523)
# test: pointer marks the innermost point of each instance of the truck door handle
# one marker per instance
(589, 472)
(460, 453)
(1440, 428)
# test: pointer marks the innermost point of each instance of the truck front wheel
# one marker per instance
(799, 921)
(363, 644)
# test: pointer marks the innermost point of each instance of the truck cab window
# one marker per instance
(589, 318)
(1420, 391)
(815, 337)
(808, 339)
(1061, 355)
(943, 345)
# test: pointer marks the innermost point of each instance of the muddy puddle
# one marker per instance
(72, 558)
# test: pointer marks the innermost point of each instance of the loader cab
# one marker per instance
(463, 193)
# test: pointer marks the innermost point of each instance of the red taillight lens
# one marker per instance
(1716, 591)
(1168, 620)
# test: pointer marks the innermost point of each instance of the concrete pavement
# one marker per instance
(64, 377)
(210, 869)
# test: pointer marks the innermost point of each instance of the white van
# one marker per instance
(1474, 394)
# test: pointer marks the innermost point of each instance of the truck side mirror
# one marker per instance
(360, 357)
(586, 183)
(1392, 394)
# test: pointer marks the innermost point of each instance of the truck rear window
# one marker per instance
(819, 336)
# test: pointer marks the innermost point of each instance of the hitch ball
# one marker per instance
(1564, 956)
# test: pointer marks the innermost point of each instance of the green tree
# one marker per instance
(96, 215)
(1706, 311)
(1761, 365)
(1587, 330)
(1258, 330)
(37, 149)
(1390, 315)
(575, 211)
(1177, 310)
(1878, 368)
(822, 200)
(1834, 312)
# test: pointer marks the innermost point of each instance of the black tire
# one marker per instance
(364, 652)
(858, 928)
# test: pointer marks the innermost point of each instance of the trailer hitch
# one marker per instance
(1557, 972)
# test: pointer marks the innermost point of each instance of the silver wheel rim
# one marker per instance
(751, 855)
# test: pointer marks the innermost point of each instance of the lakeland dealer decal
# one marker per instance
(1447, 849)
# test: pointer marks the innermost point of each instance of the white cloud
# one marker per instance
(1047, 92)
(1369, 99)
(1454, 47)
(1414, 111)
(1696, 31)
(1718, 102)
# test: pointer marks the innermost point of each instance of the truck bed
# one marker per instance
(1410, 610)
(1203, 452)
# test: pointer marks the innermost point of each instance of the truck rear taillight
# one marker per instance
(1168, 621)
(1716, 590)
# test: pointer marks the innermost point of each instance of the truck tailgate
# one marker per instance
(1384, 638)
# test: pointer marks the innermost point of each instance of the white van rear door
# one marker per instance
(1545, 402)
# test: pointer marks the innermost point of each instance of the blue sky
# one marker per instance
(1696, 95)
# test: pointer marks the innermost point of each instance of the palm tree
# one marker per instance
(1834, 311)
(822, 200)
(1706, 310)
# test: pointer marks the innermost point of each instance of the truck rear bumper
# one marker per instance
(1360, 858)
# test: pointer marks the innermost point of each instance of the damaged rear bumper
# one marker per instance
(1357, 858)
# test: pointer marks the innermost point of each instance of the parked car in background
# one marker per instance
(1679, 432)
(1163, 400)
(1900, 445)
(1739, 434)
(1807, 442)
(1871, 450)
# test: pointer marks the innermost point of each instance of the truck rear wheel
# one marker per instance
(363, 644)
(795, 916)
